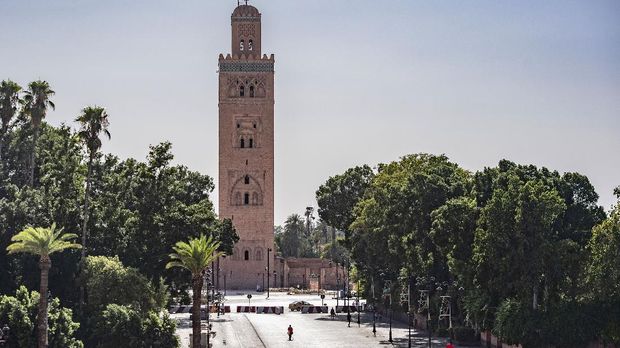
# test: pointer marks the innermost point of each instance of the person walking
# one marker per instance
(449, 345)
(290, 333)
(349, 318)
(332, 313)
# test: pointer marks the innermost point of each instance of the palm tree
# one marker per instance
(196, 257)
(36, 102)
(9, 100)
(43, 242)
(93, 121)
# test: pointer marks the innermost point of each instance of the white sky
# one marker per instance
(356, 81)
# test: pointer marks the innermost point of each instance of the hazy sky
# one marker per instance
(356, 81)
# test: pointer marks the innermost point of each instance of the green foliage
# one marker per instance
(227, 236)
(122, 326)
(107, 281)
(509, 244)
(195, 256)
(603, 270)
(138, 209)
(339, 194)
(93, 121)
(42, 241)
(294, 239)
(463, 334)
(20, 311)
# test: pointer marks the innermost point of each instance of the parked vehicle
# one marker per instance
(296, 306)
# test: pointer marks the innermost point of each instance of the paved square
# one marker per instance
(310, 330)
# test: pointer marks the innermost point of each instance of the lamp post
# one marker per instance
(359, 322)
(207, 280)
(374, 309)
(387, 291)
(268, 251)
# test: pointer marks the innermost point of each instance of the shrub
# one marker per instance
(20, 314)
(122, 326)
(107, 281)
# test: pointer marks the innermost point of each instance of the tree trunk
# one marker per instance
(85, 227)
(197, 283)
(35, 139)
(2, 133)
(44, 265)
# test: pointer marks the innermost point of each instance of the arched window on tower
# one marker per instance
(251, 143)
(241, 45)
(251, 91)
(250, 45)
(246, 198)
(242, 144)
(241, 91)
(254, 198)
(246, 180)
(259, 254)
(237, 198)
(246, 255)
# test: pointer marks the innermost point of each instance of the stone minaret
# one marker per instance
(246, 103)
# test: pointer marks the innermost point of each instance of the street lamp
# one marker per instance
(374, 309)
(359, 323)
(268, 251)
(387, 292)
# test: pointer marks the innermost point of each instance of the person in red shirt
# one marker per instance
(450, 345)
(290, 332)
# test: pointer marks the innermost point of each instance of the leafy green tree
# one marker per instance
(42, 242)
(107, 281)
(196, 257)
(603, 270)
(227, 236)
(392, 227)
(36, 102)
(20, 311)
(339, 194)
(9, 102)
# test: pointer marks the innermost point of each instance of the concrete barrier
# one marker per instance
(314, 309)
(340, 309)
(269, 310)
(246, 309)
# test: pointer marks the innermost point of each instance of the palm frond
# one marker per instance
(42, 241)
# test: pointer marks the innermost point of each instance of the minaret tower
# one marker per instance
(246, 104)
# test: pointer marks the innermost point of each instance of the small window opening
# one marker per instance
(241, 45)
(247, 180)
(246, 255)
(254, 125)
(238, 125)
(241, 91)
(246, 198)
(246, 162)
(251, 143)
(251, 91)
(242, 143)
(250, 45)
